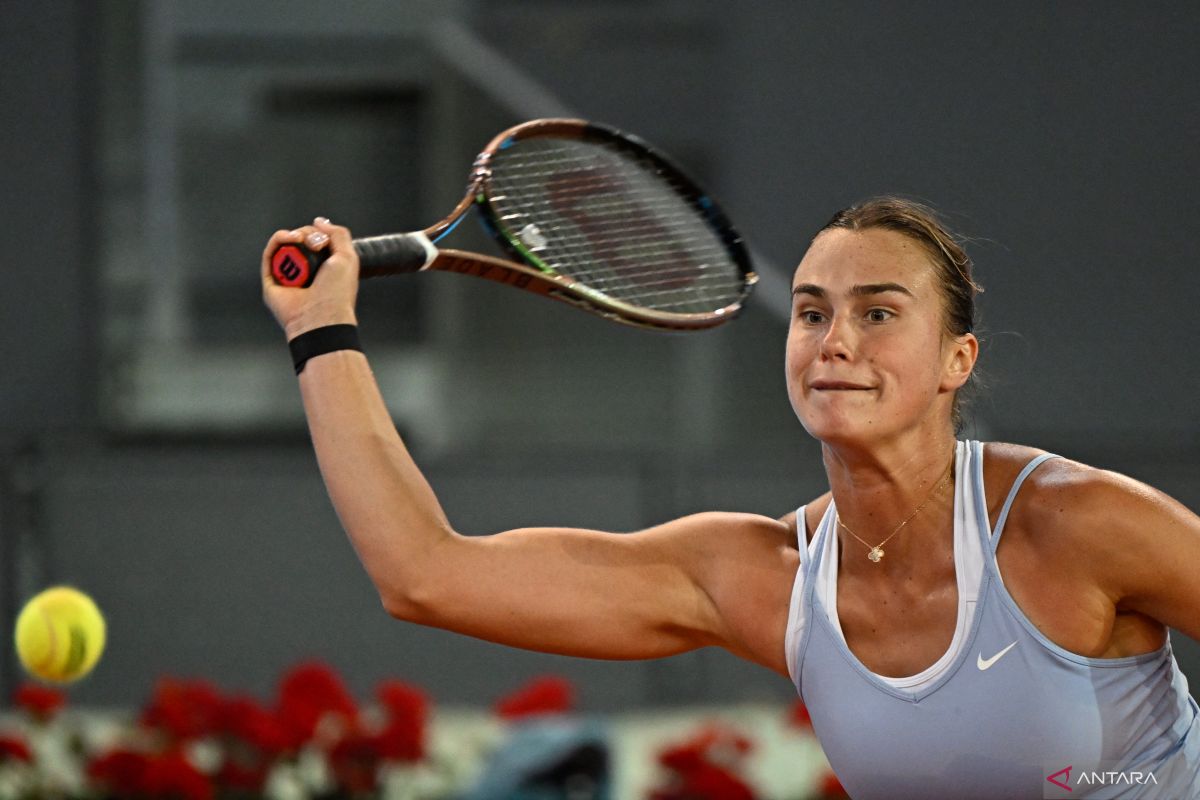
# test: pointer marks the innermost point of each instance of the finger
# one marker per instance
(334, 231)
(280, 237)
(343, 240)
(316, 240)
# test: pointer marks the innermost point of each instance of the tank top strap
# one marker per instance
(1012, 495)
(800, 608)
(802, 537)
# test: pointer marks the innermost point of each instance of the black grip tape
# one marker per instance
(388, 255)
(296, 265)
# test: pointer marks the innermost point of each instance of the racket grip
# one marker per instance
(393, 254)
(296, 265)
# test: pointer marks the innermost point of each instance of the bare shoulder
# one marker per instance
(1138, 544)
(1100, 519)
(1057, 511)
(1002, 463)
(1122, 551)
(1064, 495)
(1009, 453)
(727, 529)
(746, 566)
(725, 540)
(720, 546)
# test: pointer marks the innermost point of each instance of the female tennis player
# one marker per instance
(962, 619)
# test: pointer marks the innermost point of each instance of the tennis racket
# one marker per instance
(587, 215)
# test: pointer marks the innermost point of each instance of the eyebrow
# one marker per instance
(858, 290)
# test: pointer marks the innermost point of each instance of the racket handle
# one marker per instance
(296, 265)
(394, 253)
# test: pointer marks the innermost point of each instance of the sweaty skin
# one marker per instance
(1099, 562)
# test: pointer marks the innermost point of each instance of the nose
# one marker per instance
(839, 340)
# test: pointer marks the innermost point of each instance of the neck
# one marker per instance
(878, 487)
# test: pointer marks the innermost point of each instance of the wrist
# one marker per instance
(319, 341)
(318, 318)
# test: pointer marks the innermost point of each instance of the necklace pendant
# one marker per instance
(875, 554)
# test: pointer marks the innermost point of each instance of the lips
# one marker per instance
(839, 386)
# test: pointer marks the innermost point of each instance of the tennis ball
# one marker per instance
(60, 635)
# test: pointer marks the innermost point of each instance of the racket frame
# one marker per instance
(526, 270)
(578, 293)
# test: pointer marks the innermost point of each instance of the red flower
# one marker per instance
(121, 772)
(256, 738)
(403, 700)
(547, 695)
(705, 765)
(706, 782)
(799, 717)
(12, 747)
(246, 719)
(185, 709)
(311, 692)
(683, 757)
(711, 743)
(171, 775)
(41, 702)
(403, 738)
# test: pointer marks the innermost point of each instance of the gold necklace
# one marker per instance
(876, 553)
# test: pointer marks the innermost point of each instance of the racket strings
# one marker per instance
(614, 221)
(653, 264)
(660, 275)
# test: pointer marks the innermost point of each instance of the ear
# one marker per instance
(960, 355)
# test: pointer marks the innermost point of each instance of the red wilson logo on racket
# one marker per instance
(290, 266)
(623, 234)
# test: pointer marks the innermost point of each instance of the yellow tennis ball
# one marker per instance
(60, 635)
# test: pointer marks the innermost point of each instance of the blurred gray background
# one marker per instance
(152, 448)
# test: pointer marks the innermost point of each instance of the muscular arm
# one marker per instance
(709, 579)
(1159, 572)
(1141, 546)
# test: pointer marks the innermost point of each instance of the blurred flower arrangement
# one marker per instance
(193, 741)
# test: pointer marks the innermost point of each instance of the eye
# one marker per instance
(810, 317)
(879, 315)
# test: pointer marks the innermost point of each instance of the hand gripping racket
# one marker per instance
(588, 215)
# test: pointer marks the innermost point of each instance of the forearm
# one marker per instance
(384, 503)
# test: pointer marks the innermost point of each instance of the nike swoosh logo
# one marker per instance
(984, 663)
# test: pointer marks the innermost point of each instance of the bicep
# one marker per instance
(577, 592)
(1152, 562)
(1164, 580)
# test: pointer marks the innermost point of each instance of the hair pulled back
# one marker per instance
(950, 261)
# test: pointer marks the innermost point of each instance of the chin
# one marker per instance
(831, 429)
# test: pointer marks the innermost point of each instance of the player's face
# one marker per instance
(867, 357)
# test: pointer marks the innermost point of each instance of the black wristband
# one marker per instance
(319, 341)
